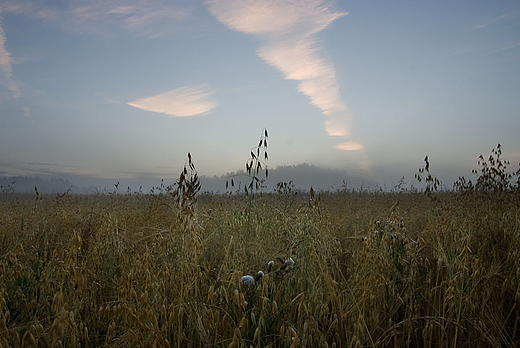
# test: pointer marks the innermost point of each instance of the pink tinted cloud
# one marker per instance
(337, 127)
(288, 29)
(300, 60)
(179, 102)
(274, 17)
(350, 146)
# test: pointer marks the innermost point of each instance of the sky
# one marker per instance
(123, 89)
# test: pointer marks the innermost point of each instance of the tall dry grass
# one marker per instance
(371, 269)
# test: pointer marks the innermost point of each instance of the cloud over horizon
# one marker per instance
(288, 30)
(180, 102)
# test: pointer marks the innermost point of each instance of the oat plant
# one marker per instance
(254, 165)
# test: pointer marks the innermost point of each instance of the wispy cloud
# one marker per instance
(6, 67)
(26, 112)
(44, 164)
(179, 102)
(299, 59)
(496, 19)
(288, 30)
(30, 8)
(143, 18)
(336, 127)
(27, 168)
(350, 146)
(365, 165)
(150, 18)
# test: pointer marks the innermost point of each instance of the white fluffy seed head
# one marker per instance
(247, 281)
(259, 276)
(289, 263)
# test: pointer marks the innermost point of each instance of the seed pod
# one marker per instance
(236, 297)
(133, 294)
(171, 319)
(243, 302)
(211, 290)
(256, 337)
(28, 340)
(243, 322)
(77, 241)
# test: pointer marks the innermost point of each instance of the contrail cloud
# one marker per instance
(289, 32)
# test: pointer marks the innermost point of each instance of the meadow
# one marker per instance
(371, 269)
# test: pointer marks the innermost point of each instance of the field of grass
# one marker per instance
(370, 269)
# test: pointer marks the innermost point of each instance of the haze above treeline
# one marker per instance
(301, 177)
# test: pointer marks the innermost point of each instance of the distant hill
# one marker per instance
(303, 177)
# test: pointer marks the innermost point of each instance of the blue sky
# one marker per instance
(124, 89)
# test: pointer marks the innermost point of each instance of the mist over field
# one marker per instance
(302, 177)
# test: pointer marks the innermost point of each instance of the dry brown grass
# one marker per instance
(370, 270)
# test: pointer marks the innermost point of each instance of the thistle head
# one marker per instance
(287, 265)
(247, 281)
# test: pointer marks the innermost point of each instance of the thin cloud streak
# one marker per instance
(147, 19)
(298, 59)
(288, 29)
(179, 102)
(496, 19)
(6, 67)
